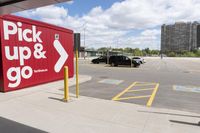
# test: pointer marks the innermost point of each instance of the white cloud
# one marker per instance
(153, 32)
(114, 25)
(53, 12)
(146, 39)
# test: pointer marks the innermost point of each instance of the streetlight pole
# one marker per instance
(84, 41)
(83, 28)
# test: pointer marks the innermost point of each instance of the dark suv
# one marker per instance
(100, 59)
(122, 60)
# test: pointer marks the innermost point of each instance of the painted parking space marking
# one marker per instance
(124, 91)
(145, 84)
(149, 103)
(194, 89)
(132, 89)
(111, 81)
(140, 90)
(135, 97)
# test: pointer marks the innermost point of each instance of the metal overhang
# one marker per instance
(11, 6)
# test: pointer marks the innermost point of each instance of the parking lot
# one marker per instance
(168, 83)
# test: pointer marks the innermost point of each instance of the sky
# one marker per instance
(117, 23)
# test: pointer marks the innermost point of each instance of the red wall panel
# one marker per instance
(30, 51)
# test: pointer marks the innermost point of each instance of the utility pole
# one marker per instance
(84, 40)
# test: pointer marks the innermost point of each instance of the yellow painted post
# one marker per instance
(77, 82)
(66, 85)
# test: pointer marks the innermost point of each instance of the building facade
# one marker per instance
(180, 37)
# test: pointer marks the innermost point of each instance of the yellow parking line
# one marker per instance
(124, 91)
(150, 101)
(135, 97)
(140, 90)
(145, 84)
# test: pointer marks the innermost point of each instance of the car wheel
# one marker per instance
(112, 64)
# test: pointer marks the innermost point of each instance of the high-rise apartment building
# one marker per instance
(180, 37)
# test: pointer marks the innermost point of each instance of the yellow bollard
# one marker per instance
(66, 86)
(77, 82)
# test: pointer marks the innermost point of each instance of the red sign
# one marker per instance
(33, 52)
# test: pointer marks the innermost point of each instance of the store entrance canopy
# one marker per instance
(11, 6)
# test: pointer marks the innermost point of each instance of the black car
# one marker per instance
(122, 60)
(101, 59)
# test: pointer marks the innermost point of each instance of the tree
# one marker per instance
(137, 52)
(134, 52)
(103, 49)
(171, 54)
(197, 53)
(118, 49)
(128, 50)
(155, 52)
(147, 50)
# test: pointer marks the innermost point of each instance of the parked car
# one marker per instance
(122, 60)
(139, 59)
(101, 59)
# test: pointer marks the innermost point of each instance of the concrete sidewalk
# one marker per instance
(41, 107)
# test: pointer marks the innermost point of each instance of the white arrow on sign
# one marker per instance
(63, 56)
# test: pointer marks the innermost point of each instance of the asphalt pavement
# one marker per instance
(42, 109)
(168, 83)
